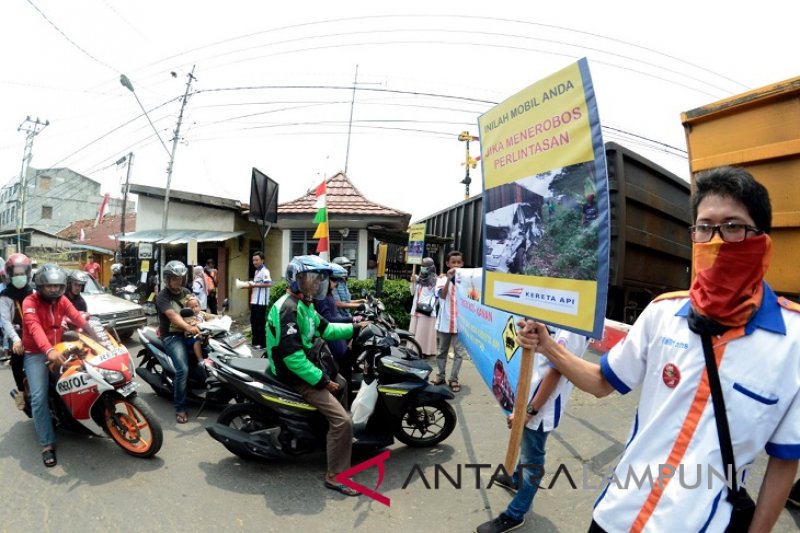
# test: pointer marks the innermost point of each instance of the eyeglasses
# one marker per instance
(728, 232)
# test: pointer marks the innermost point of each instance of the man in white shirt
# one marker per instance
(755, 339)
(259, 300)
(551, 393)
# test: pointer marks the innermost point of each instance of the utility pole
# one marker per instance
(175, 139)
(126, 82)
(32, 128)
(350, 123)
(125, 188)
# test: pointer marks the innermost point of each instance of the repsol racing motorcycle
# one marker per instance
(95, 390)
(274, 421)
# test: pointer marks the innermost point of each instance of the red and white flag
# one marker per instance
(102, 211)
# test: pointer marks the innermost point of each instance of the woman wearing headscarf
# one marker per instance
(423, 308)
(199, 288)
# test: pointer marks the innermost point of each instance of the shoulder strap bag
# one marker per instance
(743, 505)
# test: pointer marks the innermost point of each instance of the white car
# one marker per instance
(128, 316)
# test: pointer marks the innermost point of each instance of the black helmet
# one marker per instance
(76, 276)
(51, 275)
(175, 269)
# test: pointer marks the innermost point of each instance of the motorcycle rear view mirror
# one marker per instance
(186, 312)
(225, 305)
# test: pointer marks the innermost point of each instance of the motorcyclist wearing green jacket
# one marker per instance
(292, 325)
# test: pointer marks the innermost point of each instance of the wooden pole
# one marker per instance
(520, 405)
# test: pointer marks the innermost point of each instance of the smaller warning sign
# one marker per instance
(510, 338)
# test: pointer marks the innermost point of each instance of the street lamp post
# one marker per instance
(126, 82)
(469, 162)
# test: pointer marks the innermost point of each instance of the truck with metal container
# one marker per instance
(650, 251)
(760, 131)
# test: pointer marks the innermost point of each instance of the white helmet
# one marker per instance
(116, 268)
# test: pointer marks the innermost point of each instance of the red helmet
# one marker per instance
(18, 260)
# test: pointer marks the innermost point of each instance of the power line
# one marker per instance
(73, 43)
(471, 33)
(479, 18)
(109, 132)
(315, 87)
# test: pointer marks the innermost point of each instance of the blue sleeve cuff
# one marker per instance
(611, 377)
(783, 451)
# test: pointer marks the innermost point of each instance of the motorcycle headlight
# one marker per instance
(111, 376)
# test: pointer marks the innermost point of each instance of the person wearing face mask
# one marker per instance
(18, 272)
(752, 338)
(292, 325)
(423, 307)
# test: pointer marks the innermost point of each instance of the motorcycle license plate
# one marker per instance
(128, 388)
(236, 340)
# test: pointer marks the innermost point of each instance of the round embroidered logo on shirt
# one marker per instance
(671, 375)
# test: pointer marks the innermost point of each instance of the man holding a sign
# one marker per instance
(718, 367)
(543, 413)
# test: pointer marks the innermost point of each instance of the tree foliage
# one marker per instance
(566, 249)
(396, 296)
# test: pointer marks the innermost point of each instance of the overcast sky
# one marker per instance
(273, 88)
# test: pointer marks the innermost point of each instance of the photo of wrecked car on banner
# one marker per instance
(545, 202)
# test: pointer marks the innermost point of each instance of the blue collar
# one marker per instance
(768, 317)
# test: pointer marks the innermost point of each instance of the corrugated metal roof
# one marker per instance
(178, 236)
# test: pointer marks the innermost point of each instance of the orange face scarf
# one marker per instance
(727, 285)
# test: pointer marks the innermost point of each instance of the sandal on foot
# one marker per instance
(454, 386)
(49, 458)
(181, 418)
(342, 489)
(438, 381)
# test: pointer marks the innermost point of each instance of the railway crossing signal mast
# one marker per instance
(469, 162)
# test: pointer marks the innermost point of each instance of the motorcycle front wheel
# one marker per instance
(248, 418)
(426, 424)
(133, 426)
(156, 369)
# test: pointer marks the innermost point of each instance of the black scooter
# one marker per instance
(157, 370)
(374, 310)
(274, 421)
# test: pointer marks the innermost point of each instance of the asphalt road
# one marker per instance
(194, 483)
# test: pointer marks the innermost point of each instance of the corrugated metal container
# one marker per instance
(760, 131)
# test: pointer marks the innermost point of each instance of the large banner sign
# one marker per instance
(545, 201)
(489, 335)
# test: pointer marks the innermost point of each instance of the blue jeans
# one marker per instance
(38, 384)
(179, 355)
(532, 456)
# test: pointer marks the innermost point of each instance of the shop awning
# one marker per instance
(177, 236)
